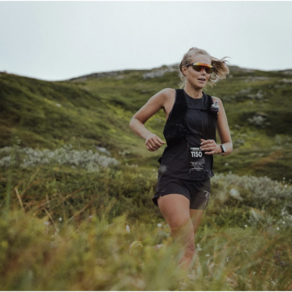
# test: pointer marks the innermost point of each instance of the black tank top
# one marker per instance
(175, 162)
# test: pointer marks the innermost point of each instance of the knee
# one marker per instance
(191, 247)
(185, 228)
(190, 244)
(185, 237)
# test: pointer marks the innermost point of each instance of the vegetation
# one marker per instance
(62, 231)
(76, 187)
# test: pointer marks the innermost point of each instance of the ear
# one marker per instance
(184, 70)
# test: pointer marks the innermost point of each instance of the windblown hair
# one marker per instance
(220, 67)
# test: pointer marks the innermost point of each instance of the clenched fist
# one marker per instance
(153, 142)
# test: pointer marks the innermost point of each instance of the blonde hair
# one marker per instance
(220, 67)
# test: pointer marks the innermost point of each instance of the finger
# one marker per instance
(210, 149)
(153, 148)
(206, 147)
(210, 153)
(206, 142)
(151, 143)
(162, 142)
(209, 142)
(149, 148)
(158, 142)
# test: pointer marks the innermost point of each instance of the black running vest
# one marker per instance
(176, 129)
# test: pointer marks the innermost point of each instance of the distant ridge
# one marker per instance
(159, 71)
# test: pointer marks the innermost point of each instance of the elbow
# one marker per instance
(134, 121)
(131, 123)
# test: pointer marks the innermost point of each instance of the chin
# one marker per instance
(200, 86)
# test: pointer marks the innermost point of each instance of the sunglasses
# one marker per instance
(199, 67)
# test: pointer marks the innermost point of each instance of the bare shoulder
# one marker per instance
(168, 100)
(168, 96)
(168, 92)
(215, 98)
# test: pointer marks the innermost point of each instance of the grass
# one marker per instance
(66, 226)
(50, 253)
(66, 229)
(96, 112)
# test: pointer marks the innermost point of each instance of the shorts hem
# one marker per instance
(155, 197)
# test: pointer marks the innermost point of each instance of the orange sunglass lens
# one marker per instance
(199, 67)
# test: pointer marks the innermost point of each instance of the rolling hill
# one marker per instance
(94, 111)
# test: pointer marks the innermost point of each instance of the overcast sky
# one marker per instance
(62, 40)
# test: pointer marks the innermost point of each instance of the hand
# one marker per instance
(211, 146)
(153, 142)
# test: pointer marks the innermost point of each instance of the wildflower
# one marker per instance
(60, 219)
(46, 223)
(159, 225)
(245, 226)
(283, 222)
(128, 228)
(254, 272)
(285, 186)
(278, 228)
(235, 194)
(226, 259)
(207, 255)
(198, 247)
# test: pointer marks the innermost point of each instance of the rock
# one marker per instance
(160, 71)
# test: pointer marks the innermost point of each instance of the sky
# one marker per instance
(61, 40)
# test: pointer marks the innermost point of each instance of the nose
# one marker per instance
(203, 69)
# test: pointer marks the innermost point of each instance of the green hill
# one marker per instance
(73, 218)
(94, 111)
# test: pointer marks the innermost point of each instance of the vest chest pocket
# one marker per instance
(196, 159)
(174, 131)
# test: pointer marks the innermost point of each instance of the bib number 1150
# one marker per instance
(196, 153)
(196, 159)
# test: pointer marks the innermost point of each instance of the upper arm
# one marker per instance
(153, 105)
(222, 123)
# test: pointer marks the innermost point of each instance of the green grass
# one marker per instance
(97, 111)
(66, 230)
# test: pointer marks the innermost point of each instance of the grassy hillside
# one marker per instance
(80, 216)
(94, 111)
(73, 230)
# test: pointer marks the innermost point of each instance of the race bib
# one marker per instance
(196, 159)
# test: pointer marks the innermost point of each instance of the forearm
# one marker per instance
(139, 128)
(228, 147)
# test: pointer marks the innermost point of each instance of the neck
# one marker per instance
(192, 92)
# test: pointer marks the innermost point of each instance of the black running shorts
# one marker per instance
(198, 192)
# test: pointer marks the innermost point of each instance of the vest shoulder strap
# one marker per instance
(180, 96)
(209, 100)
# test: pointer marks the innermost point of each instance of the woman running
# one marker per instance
(192, 116)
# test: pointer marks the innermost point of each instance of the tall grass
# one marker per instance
(72, 230)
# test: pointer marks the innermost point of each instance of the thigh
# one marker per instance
(196, 217)
(200, 194)
(175, 209)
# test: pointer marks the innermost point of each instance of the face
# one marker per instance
(193, 76)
